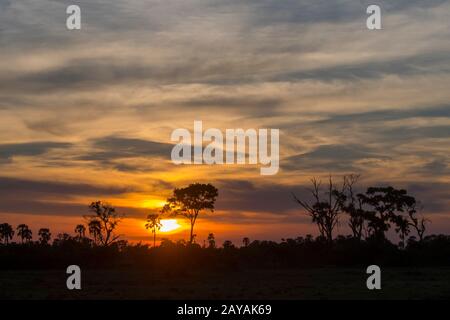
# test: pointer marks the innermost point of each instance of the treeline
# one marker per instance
(370, 215)
(181, 256)
(100, 225)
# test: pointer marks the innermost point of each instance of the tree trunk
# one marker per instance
(192, 232)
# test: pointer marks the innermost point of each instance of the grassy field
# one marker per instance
(401, 283)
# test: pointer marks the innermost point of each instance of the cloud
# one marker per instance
(113, 147)
(55, 197)
(29, 149)
(237, 196)
(408, 134)
(436, 167)
(331, 158)
(441, 111)
(22, 188)
(343, 97)
(253, 105)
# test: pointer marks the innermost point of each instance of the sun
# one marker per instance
(168, 225)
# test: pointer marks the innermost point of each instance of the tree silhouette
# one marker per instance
(24, 232)
(227, 244)
(246, 241)
(211, 241)
(61, 239)
(95, 230)
(106, 220)
(419, 224)
(352, 205)
(190, 201)
(80, 229)
(389, 205)
(6, 232)
(326, 207)
(44, 236)
(153, 223)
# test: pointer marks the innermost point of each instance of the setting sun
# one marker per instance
(168, 225)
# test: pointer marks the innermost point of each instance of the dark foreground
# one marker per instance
(321, 283)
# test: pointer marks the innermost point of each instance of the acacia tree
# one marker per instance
(6, 232)
(103, 222)
(325, 207)
(389, 205)
(44, 236)
(153, 223)
(24, 232)
(190, 201)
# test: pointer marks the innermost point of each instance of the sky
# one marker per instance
(87, 115)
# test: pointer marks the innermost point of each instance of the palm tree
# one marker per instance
(81, 231)
(24, 232)
(95, 230)
(6, 232)
(44, 236)
(153, 223)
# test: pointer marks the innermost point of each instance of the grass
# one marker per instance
(323, 283)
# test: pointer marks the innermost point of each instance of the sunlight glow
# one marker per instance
(168, 225)
(152, 203)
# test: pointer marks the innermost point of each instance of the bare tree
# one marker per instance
(353, 207)
(326, 206)
(103, 222)
(418, 223)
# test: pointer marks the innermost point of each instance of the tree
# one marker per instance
(80, 229)
(153, 223)
(104, 221)
(227, 244)
(389, 205)
(190, 201)
(61, 239)
(44, 236)
(6, 232)
(211, 241)
(246, 241)
(353, 207)
(24, 232)
(95, 230)
(417, 223)
(325, 208)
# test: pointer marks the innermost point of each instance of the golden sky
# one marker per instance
(87, 115)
